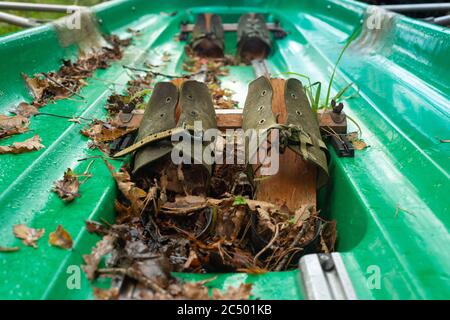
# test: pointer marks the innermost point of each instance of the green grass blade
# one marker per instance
(349, 41)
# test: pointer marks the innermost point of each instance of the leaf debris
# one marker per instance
(28, 235)
(67, 188)
(61, 238)
(28, 145)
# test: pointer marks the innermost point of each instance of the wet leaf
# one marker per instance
(242, 292)
(194, 291)
(328, 236)
(10, 125)
(25, 110)
(128, 188)
(28, 235)
(69, 79)
(37, 85)
(92, 260)
(222, 97)
(67, 188)
(106, 294)
(358, 143)
(184, 205)
(61, 238)
(100, 131)
(96, 227)
(28, 145)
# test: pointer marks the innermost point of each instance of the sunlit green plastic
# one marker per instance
(403, 109)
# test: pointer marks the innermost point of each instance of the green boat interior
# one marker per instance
(389, 201)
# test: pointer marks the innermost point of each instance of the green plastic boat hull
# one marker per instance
(391, 201)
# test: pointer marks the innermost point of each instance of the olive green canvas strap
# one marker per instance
(291, 135)
(152, 138)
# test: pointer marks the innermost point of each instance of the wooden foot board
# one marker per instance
(294, 185)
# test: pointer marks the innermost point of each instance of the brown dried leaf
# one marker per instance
(222, 97)
(60, 238)
(37, 85)
(96, 227)
(10, 125)
(67, 188)
(123, 212)
(106, 294)
(103, 247)
(28, 235)
(28, 145)
(194, 291)
(358, 143)
(70, 77)
(100, 131)
(328, 236)
(25, 110)
(242, 292)
(184, 205)
(128, 188)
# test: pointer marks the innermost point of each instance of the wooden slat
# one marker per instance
(232, 119)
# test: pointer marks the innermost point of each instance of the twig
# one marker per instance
(106, 222)
(356, 123)
(60, 116)
(293, 244)
(443, 140)
(398, 209)
(135, 275)
(255, 259)
(155, 73)
(9, 249)
(62, 86)
(86, 172)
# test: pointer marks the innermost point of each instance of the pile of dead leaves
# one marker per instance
(213, 68)
(125, 113)
(67, 81)
(162, 226)
(137, 88)
(138, 273)
(222, 98)
(52, 86)
(103, 133)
